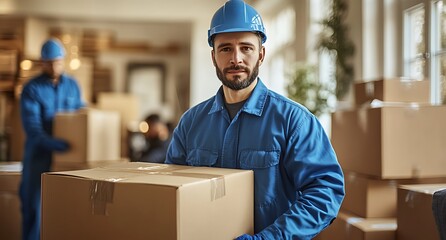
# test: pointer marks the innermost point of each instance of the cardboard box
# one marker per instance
(93, 135)
(63, 166)
(391, 142)
(17, 139)
(350, 227)
(147, 201)
(415, 216)
(8, 62)
(393, 90)
(371, 197)
(128, 106)
(10, 217)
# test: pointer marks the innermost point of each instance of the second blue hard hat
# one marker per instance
(52, 50)
(236, 16)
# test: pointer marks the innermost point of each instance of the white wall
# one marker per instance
(382, 39)
(204, 82)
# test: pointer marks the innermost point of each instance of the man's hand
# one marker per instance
(59, 145)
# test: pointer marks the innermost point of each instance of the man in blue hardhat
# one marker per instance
(298, 182)
(42, 97)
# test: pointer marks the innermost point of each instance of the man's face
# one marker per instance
(54, 68)
(237, 57)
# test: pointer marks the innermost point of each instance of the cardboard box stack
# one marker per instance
(391, 137)
(392, 90)
(8, 69)
(128, 106)
(147, 201)
(10, 217)
(348, 226)
(415, 214)
(94, 137)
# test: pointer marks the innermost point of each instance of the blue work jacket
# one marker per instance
(39, 102)
(298, 182)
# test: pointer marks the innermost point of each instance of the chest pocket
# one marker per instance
(251, 159)
(202, 157)
(70, 103)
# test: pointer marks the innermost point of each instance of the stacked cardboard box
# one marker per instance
(8, 69)
(10, 217)
(415, 213)
(348, 226)
(372, 197)
(392, 142)
(8, 62)
(128, 106)
(147, 201)
(391, 137)
(392, 90)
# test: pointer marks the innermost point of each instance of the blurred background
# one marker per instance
(144, 56)
(372, 71)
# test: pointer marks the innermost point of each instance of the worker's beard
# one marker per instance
(237, 83)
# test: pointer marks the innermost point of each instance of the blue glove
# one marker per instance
(57, 145)
(248, 237)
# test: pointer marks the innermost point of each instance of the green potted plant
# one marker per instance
(335, 40)
(305, 88)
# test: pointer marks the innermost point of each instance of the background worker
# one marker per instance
(42, 97)
(298, 182)
(157, 140)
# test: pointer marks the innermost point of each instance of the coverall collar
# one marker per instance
(254, 104)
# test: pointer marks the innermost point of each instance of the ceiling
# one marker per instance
(122, 10)
(167, 18)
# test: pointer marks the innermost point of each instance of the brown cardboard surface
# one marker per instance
(348, 226)
(147, 201)
(68, 166)
(391, 142)
(93, 135)
(8, 61)
(17, 139)
(10, 175)
(393, 90)
(10, 217)
(372, 197)
(415, 217)
(369, 197)
(127, 105)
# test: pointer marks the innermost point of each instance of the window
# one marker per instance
(414, 59)
(425, 45)
(439, 50)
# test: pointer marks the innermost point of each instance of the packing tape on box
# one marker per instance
(101, 191)
(218, 189)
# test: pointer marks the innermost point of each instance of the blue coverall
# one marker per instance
(298, 182)
(39, 102)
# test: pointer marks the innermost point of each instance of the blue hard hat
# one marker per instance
(236, 16)
(52, 50)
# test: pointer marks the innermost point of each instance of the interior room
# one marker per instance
(372, 73)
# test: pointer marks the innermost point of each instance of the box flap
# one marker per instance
(424, 188)
(150, 173)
